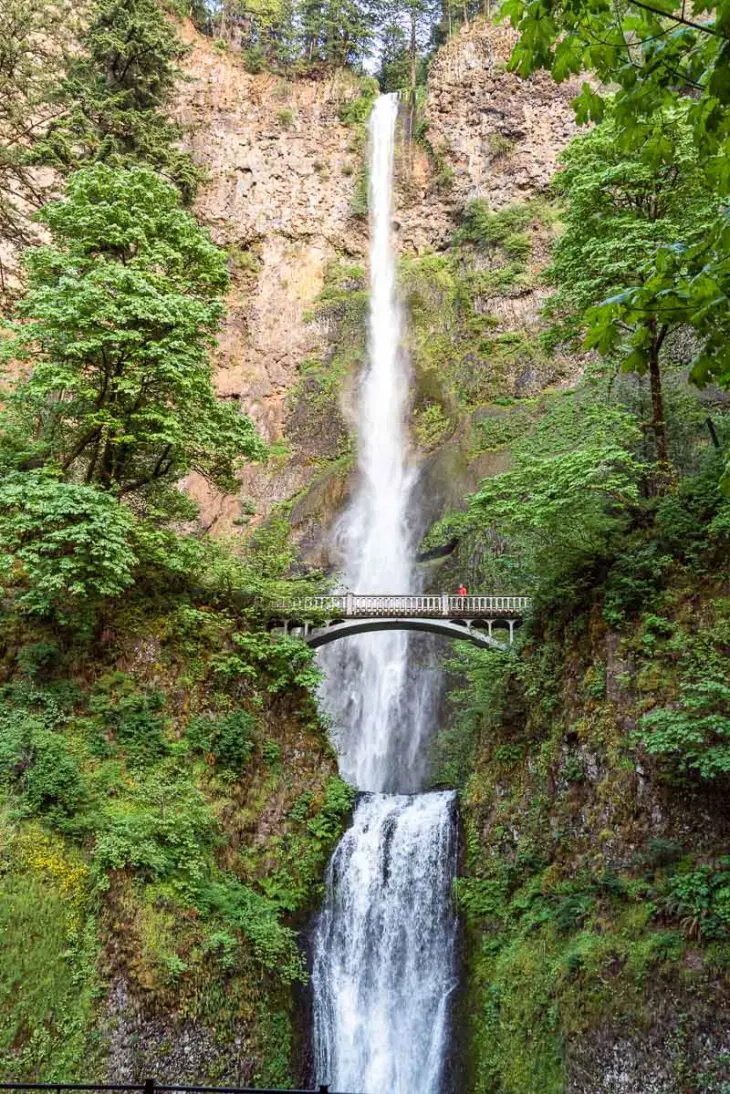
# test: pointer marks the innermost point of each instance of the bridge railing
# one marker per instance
(442, 605)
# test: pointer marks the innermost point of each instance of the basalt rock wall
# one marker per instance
(284, 194)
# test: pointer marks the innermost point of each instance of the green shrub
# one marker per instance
(692, 735)
(700, 899)
(165, 833)
(431, 426)
(62, 543)
(129, 720)
(36, 764)
(254, 60)
(228, 738)
(634, 581)
(357, 111)
(487, 230)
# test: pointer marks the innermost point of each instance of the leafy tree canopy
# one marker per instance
(621, 213)
(650, 50)
(619, 210)
(115, 93)
(34, 35)
(64, 541)
(659, 58)
(121, 311)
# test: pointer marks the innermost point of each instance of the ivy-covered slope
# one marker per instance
(596, 881)
(169, 801)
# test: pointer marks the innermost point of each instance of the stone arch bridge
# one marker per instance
(477, 619)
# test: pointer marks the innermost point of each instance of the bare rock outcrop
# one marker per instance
(282, 173)
(494, 135)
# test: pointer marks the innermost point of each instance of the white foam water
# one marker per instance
(384, 955)
(384, 964)
(365, 691)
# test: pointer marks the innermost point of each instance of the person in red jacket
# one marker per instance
(463, 591)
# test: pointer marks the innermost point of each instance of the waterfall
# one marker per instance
(366, 693)
(384, 960)
(384, 946)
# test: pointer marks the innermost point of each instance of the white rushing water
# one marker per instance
(366, 692)
(384, 961)
(384, 946)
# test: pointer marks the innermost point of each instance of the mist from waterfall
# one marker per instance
(384, 945)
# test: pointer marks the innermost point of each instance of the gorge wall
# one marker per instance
(175, 883)
(284, 195)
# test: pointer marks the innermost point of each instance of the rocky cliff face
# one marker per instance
(282, 172)
(284, 182)
(491, 135)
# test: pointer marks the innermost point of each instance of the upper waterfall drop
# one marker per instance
(377, 539)
(365, 690)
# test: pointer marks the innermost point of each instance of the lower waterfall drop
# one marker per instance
(384, 964)
(384, 967)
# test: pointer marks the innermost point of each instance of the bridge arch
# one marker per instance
(323, 619)
(322, 636)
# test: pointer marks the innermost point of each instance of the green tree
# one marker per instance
(62, 542)
(115, 93)
(337, 32)
(394, 71)
(33, 35)
(653, 52)
(657, 56)
(120, 313)
(407, 29)
(561, 512)
(620, 212)
(265, 30)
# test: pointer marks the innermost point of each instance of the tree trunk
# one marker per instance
(658, 419)
(413, 49)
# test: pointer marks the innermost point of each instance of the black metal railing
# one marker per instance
(151, 1086)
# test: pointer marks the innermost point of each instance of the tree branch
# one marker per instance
(706, 29)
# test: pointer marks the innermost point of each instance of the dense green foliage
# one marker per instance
(34, 33)
(111, 102)
(665, 64)
(119, 315)
(140, 800)
(310, 35)
(618, 211)
(580, 902)
(118, 318)
(168, 799)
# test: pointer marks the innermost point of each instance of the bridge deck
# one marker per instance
(431, 606)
